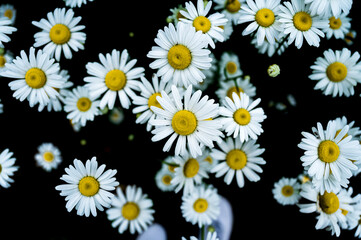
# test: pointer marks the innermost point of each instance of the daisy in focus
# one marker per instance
(8, 11)
(7, 168)
(87, 187)
(131, 209)
(329, 7)
(338, 27)
(60, 33)
(5, 30)
(48, 156)
(115, 75)
(287, 191)
(337, 72)
(230, 9)
(76, 3)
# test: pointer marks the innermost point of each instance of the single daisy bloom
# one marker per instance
(176, 14)
(210, 236)
(163, 179)
(240, 85)
(6, 57)
(229, 66)
(114, 75)
(287, 191)
(7, 168)
(181, 55)
(116, 115)
(8, 11)
(350, 37)
(37, 77)
(131, 209)
(337, 72)
(60, 33)
(76, 3)
(300, 23)
(238, 159)
(338, 27)
(329, 7)
(48, 156)
(230, 9)
(5, 30)
(240, 117)
(87, 187)
(201, 206)
(81, 106)
(210, 26)
(190, 119)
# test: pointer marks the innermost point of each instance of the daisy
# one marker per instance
(352, 217)
(5, 30)
(350, 37)
(114, 75)
(201, 206)
(300, 23)
(287, 191)
(7, 168)
(240, 117)
(229, 66)
(227, 30)
(210, 236)
(8, 11)
(238, 159)
(206, 157)
(239, 85)
(75, 3)
(60, 33)
(87, 187)
(37, 77)
(210, 26)
(341, 122)
(131, 209)
(329, 7)
(338, 27)
(230, 9)
(357, 216)
(190, 119)
(48, 156)
(337, 72)
(163, 179)
(5, 57)
(116, 116)
(176, 14)
(181, 54)
(263, 16)
(271, 49)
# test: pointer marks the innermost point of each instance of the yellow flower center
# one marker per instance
(242, 116)
(232, 90)
(88, 186)
(184, 122)
(200, 205)
(329, 202)
(344, 212)
(60, 34)
(191, 168)
(8, 13)
(152, 101)
(84, 104)
(171, 168)
(328, 151)
(1, 168)
(335, 23)
(202, 23)
(115, 80)
(265, 17)
(236, 159)
(302, 21)
(209, 159)
(179, 57)
(287, 191)
(130, 211)
(35, 78)
(336, 72)
(166, 179)
(2, 61)
(233, 6)
(48, 156)
(231, 67)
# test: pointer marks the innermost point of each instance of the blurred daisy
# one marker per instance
(210, 74)
(329, 7)
(181, 55)
(163, 179)
(76, 3)
(1, 107)
(287, 191)
(352, 217)
(299, 23)
(303, 177)
(37, 77)
(206, 157)
(60, 33)
(240, 117)
(271, 49)
(338, 27)
(337, 72)
(8, 11)
(210, 236)
(238, 159)
(116, 116)
(230, 9)
(201, 206)
(227, 88)
(5, 30)
(131, 209)
(176, 14)
(229, 66)
(6, 57)
(48, 156)
(227, 30)
(7, 168)
(190, 119)
(210, 26)
(350, 37)
(87, 187)
(114, 75)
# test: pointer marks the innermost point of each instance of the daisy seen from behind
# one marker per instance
(48, 156)
(286, 191)
(76, 3)
(7, 168)
(5, 30)
(329, 7)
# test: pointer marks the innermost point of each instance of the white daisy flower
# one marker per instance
(303, 177)
(5, 30)
(287, 191)
(176, 14)
(7, 168)
(227, 88)
(350, 37)
(338, 27)
(163, 179)
(300, 23)
(87, 187)
(75, 3)
(80, 106)
(210, 236)
(181, 55)
(227, 30)
(8, 11)
(230, 9)
(329, 7)
(206, 157)
(37, 77)
(131, 209)
(116, 116)
(6, 57)
(48, 156)
(352, 217)
(341, 122)
(238, 159)
(114, 75)
(210, 26)
(190, 119)
(201, 206)
(337, 72)
(60, 33)
(229, 66)
(271, 49)
(240, 117)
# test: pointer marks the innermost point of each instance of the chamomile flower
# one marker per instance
(114, 75)
(163, 179)
(5, 30)
(329, 7)
(300, 23)
(240, 117)
(37, 77)
(338, 27)
(181, 55)
(341, 122)
(48, 156)
(201, 206)
(6, 57)
(87, 187)
(337, 72)
(81, 106)
(76, 3)
(176, 14)
(8, 11)
(131, 209)
(350, 37)
(189, 119)
(230, 9)
(287, 191)
(229, 66)
(116, 115)
(227, 88)
(210, 26)
(7, 168)
(227, 30)
(60, 33)
(238, 159)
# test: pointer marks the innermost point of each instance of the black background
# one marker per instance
(33, 207)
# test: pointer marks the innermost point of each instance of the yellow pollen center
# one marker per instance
(179, 57)
(60, 34)
(231, 67)
(287, 191)
(130, 211)
(302, 21)
(232, 90)
(88, 186)
(152, 101)
(233, 6)
(171, 168)
(236, 159)
(328, 151)
(265, 17)
(1, 168)
(242, 116)
(191, 168)
(2, 61)
(166, 179)
(329, 202)
(200, 205)
(35, 78)
(84, 104)
(201, 23)
(344, 212)
(336, 72)
(184, 122)
(8, 13)
(48, 156)
(335, 23)
(209, 159)
(115, 80)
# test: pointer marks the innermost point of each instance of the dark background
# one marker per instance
(33, 207)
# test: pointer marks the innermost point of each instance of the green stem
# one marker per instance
(232, 78)
(169, 164)
(281, 44)
(202, 232)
